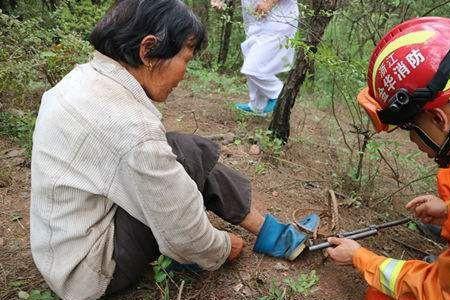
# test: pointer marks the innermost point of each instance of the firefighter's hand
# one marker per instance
(429, 209)
(218, 4)
(237, 244)
(343, 253)
(264, 7)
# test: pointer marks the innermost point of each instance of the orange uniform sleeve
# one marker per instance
(443, 184)
(445, 231)
(425, 281)
(412, 279)
(368, 263)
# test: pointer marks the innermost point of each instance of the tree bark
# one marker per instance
(316, 24)
(227, 26)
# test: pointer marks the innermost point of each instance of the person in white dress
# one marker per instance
(269, 24)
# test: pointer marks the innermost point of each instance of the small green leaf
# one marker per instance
(166, 262)
(160, 277)
(413, 226)
(157, 269)
(47, 295)
(23, 295)
(16, 216)
(17, 283)
(160, 259)
(35, 293)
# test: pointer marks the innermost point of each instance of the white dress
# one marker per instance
(266, 52)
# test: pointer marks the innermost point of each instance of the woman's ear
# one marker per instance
(147, 43)
(440, 119)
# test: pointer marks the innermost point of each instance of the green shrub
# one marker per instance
(21, 43)
(19, 128)
(268, 142)
(59, 60)
(40, 47)
(79, 16)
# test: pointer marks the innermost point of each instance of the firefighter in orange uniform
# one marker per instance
(409, 88)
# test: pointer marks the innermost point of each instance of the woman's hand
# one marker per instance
(344, 252)
(264, 7)
(429, 209)
(237, 244)
(218, 4)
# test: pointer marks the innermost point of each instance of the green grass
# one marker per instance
(36, 295)
(291, 288)
(207, 80)
(19, 128)
(303, 284)
(268, 143)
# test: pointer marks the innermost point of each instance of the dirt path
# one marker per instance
(290, 186)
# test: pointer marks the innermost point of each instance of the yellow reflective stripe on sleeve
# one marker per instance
(384, 282)
(395, 274)
(389, 270)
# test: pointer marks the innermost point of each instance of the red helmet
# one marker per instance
(408, 72)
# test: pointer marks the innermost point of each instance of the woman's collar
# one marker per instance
(114, 70)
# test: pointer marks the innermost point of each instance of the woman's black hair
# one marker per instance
(120, 32)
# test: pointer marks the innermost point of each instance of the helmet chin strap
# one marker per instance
(442, 158)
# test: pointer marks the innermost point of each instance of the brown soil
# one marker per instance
(289, 186)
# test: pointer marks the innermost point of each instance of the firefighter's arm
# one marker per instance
(371, 265)
(443, 184)
(348, 252)
(368, 263)
(398, 278)
(445, 231)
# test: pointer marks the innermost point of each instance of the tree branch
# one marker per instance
(434, 8)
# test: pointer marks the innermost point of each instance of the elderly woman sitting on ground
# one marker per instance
(111, 190)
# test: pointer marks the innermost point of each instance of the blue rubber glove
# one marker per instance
(284, 240)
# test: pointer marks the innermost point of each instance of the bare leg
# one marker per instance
(253, 221)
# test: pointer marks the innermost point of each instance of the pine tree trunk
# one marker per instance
(316, 25)
(227, 26)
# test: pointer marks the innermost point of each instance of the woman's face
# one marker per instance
(161, 78)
